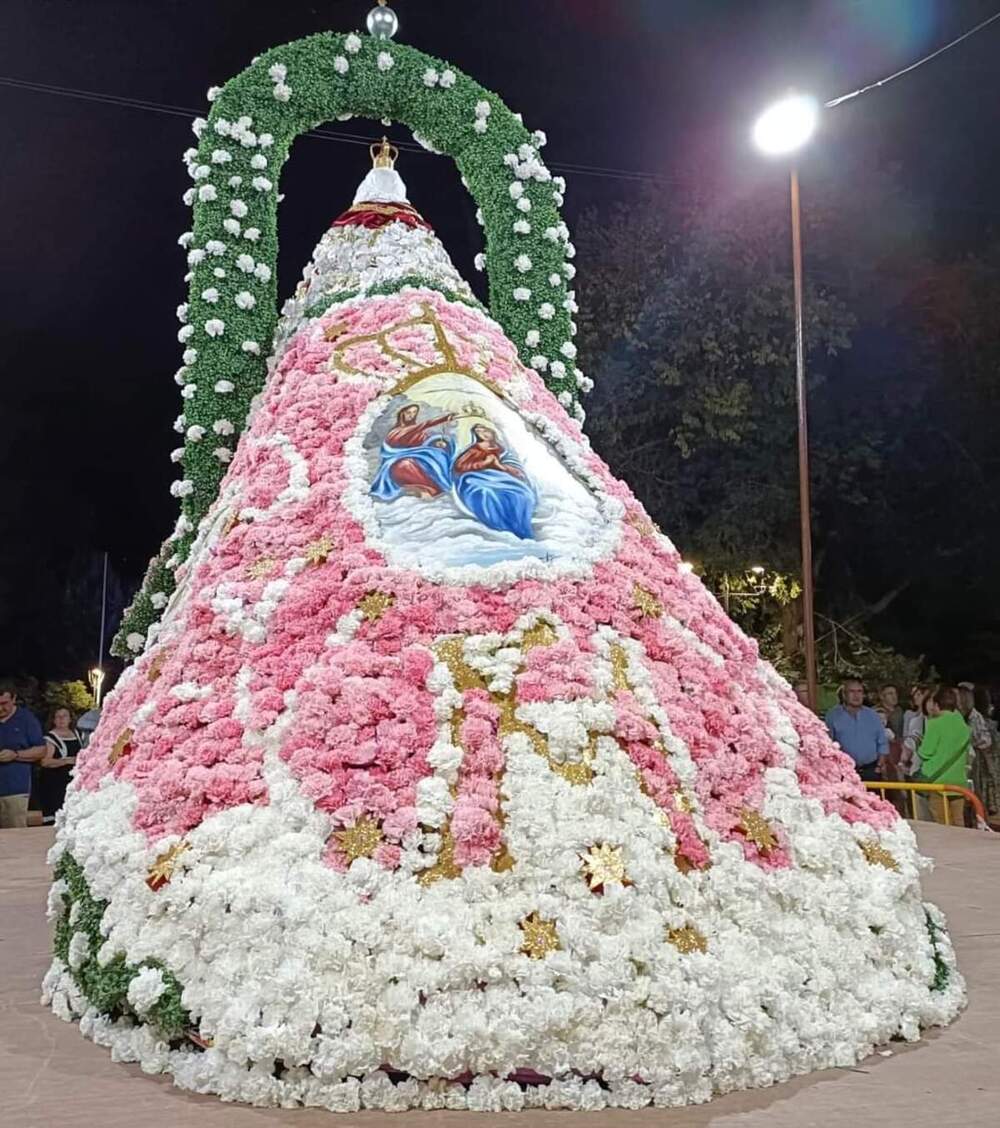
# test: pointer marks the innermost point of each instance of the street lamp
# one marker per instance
(96, 679)
(781, 130)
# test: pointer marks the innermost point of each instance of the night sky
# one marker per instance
(90, 196)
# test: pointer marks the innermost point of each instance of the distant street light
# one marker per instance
(781, 130)
(96, 679)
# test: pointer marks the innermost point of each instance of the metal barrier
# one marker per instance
(882, 786)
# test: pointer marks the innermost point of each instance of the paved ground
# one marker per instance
(50, 1076)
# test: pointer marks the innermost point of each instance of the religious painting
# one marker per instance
(460, 478)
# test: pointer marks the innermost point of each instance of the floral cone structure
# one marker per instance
(444, 783)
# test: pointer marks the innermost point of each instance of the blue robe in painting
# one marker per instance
(434, 458)
(497, 499)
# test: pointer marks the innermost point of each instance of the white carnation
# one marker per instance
(522, 227)
(188, 391)
(184, 333)
(252, 233)
(282, 92)
(482, 108)
(278, 72)
(246, 264)
(215, 247)
(177, 454)
(385, 61)
(258, 161)
(245, 300)
(251, 347)
(568, 349)
(431, 77)
(223, 454)
(262, 184)
(265, 140)
(232, 226)
(224, 387)
(213, 92)
(480, 261)
(522, 264)
(135, 641)
(516, 190)
(215, 327)
(183, 487)
(479, 125)
(352, 44)
(532, 337)
(238, 208)
(195, 256)
(210, 295)
(189, 356)
(447, 78)
(524, 204)
(546, 311)
(522, 294)
(221, 156)
(195, 433)
(198, 126)
(145, 990)
(262, 271)
(158, 600)
(223, 427)
(207, 192)
(340, 64)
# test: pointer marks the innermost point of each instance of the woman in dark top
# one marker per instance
(62, 743)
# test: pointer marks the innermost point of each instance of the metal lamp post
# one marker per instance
(782, 130)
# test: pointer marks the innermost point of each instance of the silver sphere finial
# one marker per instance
(382, 21)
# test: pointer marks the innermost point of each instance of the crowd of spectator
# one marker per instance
(947, 735)
(33, 763)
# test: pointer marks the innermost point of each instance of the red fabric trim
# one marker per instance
(374, 216)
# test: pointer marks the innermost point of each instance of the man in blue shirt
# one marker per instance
(21, 745)
(859, 731)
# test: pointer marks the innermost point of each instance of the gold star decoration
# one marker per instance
(757, 830)
(445, 868)
(877, 855)
(162, 870)
(643, 526)
(335, 331)
(687, 939)
(156, 666)
(540, 937)
(375, 604)
(604, 864)
(683, 802)
(261, 567)
(318, 552)
(360, 840)
(646, 603)
(541, 634)
(122, 745)
(231, 522)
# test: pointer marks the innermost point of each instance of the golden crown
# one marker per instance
(383, 154)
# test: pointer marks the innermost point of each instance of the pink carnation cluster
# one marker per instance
(364, 721)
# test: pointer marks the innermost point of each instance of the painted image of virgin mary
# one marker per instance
(415, 461)
(492, 486)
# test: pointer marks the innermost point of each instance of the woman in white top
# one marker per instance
(913, 731)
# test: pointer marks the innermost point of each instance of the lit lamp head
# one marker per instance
(787, 125)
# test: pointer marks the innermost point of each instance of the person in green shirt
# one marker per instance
(944, 753)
